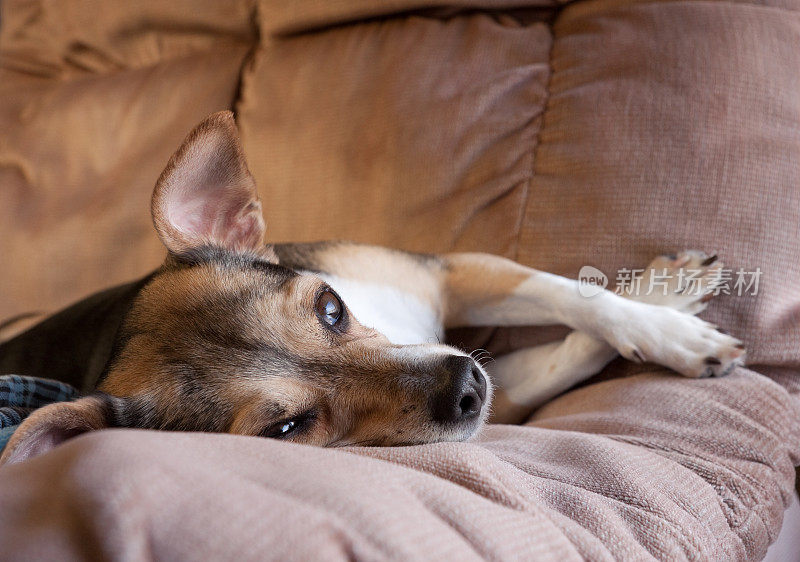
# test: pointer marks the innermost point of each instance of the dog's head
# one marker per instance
(226, 339)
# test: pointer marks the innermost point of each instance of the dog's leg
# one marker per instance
(526, 379)
(487, 290)
(530, 377)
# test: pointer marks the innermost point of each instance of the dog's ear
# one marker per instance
(206, 195)
(55, 423)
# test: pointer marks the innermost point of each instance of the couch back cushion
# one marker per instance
(619, 133)
(93, 101)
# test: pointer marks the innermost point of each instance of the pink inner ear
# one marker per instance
(207, 195)
(217, 216)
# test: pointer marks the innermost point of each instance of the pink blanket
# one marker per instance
(649, 466)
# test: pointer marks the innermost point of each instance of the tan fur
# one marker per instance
(420, 277)
(477, 281)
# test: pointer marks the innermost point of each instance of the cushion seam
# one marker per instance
(535, 145)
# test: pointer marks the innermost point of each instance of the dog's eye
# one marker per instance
(280, 429)
(285, 428)
(329, 308)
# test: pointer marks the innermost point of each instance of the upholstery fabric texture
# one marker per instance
(597, 132)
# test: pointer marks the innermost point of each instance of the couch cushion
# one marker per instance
(94, 101)
(651, 466)
(413, 132)
(676, 125)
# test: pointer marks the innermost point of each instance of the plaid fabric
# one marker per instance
(19, 396)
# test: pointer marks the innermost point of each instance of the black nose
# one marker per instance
(463, 396)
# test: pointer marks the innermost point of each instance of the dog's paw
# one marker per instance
(685, 282)
(684, 343)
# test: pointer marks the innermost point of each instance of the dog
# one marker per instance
(337, 343)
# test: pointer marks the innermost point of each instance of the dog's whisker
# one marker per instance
(481, 357)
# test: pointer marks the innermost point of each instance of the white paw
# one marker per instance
(684, 282)
(675, 339)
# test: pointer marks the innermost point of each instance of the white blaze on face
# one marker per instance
(400, 316)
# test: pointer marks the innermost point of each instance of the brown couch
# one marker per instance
(597, 132)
